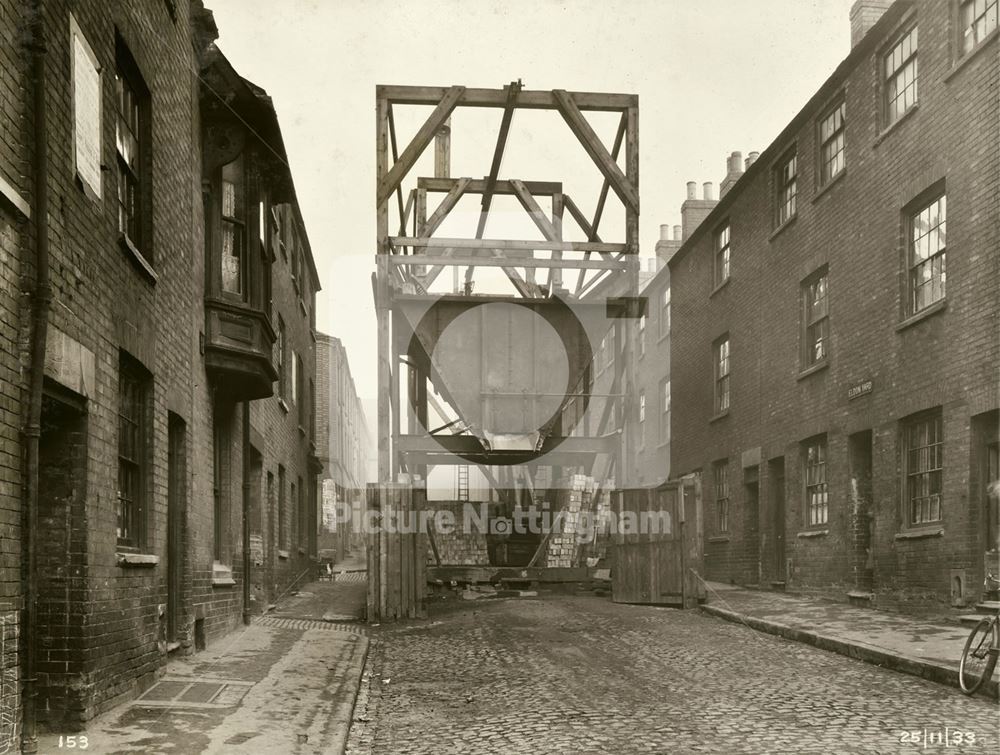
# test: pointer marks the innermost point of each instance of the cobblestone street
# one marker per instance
(579, 674)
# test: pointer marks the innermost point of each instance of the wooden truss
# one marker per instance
(410, 260)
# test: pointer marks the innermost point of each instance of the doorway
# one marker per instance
(859, 460)
(176, 507)
(751, 523)
(776, 475)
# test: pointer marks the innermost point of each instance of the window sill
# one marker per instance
(818, 367)
(813, 533)
(828, 185)
(974, 53)
(780, 229)
(137, 560)
(14, 199)
(222, 576)
(719, 539)
(302, 431)
(283, 555)
(302, 551)
(283, 405)
(143, 264)
(933, 309)
(895, 124)
(720, 286)
(718, 416)
(919, 533)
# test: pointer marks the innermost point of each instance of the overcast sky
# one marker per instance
(712, 76)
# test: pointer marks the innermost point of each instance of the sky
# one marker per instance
(713, 77)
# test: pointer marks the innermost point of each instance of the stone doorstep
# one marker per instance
(924, 669)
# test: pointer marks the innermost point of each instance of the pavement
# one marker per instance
(921, 647)
(285, 684)
(579, 674)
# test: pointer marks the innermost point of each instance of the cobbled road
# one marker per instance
(579, 674)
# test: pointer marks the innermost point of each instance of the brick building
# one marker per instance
(836, 391)
(343, 443)
(172, 280)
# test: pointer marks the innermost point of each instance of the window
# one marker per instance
(722, 255)
(786, 188)
(295, 377)
(222, 466)
(901, 77)
(814, 463)
(978, 18)
(665, 312)
(664, 411)
(312, 410)
(133, 462)
(294, 522)
(815, 319)
(721, 474)
(831, 144)
(924, 444)
(299, 389)
(303, 514)
(234, 235)
(131, 147)
(279, 346)
(927, 255)
(722, 375)
(282, 520)
(642, 406)
(642, 335)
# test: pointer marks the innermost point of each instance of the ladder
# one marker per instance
(462, 483)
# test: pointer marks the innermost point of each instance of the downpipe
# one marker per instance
(41, 297)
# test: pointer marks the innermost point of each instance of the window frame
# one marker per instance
(128, 76)
(887, 79)
(134, 377)
(664, 323)
(786, 188)
(935, 195)
(962, 30)
(721, 271)
(722, 378)
(821, 486)
(809, 320)
(907, 426)
(642, 335)
(238, 222)
(839, 107)
(665, 400)
(720, 482)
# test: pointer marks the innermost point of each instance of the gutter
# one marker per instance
(41, 296)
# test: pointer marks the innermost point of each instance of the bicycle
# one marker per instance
(979, 657)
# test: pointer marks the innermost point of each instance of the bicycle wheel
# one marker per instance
(978, 658)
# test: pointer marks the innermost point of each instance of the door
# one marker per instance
(656, 554)
(176, 498)
(776, 473)
(859, 446)
(991, 501)
(751, 504)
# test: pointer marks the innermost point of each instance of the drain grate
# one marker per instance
(183, 693)
(341, 626)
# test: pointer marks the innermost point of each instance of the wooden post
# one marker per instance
(442, 151)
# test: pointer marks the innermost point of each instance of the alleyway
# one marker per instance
(579, 674)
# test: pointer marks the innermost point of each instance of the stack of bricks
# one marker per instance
(570, 503)
(457, 547)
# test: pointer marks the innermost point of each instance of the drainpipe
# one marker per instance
(41, 296)
(246, 513)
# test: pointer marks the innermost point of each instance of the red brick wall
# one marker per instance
(856, 227)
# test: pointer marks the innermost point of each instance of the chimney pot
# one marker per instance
(665, 232)
(692, 190)
(707, 190)
(677, 233)
(751, 159)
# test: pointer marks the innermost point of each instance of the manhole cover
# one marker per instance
(183, 693)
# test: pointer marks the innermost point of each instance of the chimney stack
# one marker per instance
(864, 15)
(734, 169)
(668, 244)
(751, 159)
(694, 210)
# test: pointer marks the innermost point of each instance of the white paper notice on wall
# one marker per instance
(86, 112)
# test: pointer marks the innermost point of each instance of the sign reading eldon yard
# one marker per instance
(859, 389)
